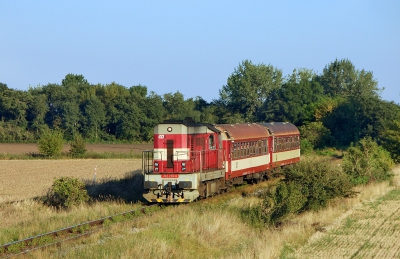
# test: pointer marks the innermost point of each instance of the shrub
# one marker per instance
(50, 142)
(367, 162)
(308, 185)
(305, 147)
(78, 146)
(66, 192)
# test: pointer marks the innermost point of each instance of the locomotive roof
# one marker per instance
(243, 131)
(281, 128)
(189, 122)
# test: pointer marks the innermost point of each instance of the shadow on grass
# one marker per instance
(128, 189)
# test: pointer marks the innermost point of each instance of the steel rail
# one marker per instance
(62, 235)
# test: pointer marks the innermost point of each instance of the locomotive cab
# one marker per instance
(183, 151)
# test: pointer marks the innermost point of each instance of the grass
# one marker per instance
(213, 228)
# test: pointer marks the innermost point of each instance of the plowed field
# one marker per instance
(370, 230)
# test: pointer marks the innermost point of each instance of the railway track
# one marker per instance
(57, 237)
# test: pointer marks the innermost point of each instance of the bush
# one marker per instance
(367, 162)
(50, 142)
(308, 185)
(66, 192)
(78, 146)
(305, 147)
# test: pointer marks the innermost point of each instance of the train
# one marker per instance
(193, 160)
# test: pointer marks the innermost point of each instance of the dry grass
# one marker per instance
(210, 229)
(27, 218)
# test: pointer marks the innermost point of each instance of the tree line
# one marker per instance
(334, 108)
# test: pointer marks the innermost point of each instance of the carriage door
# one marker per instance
(170, 154)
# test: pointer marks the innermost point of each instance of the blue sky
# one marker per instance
(193, 46)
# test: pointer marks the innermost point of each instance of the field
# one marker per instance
(22, 179)
(22, 149)
(367, 226)
(370, 229)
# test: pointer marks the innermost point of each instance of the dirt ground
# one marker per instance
(20, 149)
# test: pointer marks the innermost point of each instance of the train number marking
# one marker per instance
(169, 175)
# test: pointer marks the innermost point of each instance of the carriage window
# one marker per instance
(278, 144)
(265, 146)
(211, 142)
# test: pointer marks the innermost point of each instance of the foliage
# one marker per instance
(317, 134)
(341, 78)
(366, 162)
(305, 147)
(10, 132)
(308, 185)
(50, 142)
(78, 146)
(334, 108)
(66, 192)
(294, 101)
(390, 140)
(248, 87)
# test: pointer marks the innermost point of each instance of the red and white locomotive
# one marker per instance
(197, 160)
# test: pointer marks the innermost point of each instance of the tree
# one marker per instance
(94, 117)
(50, 142)
(78, 146)
(36, 112)
(151, 108)
(248, 88)
(295, 100)
(390, 140)
(352, 119)
(316, 134)
(114, 97)
(341, 78)
(175, 106)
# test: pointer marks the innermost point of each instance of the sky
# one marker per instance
(193, 46)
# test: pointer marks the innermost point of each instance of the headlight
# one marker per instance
(156, 164)
(183, 164)
(156, 169)
(185, 185)
(183, 169)
(150, 185)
